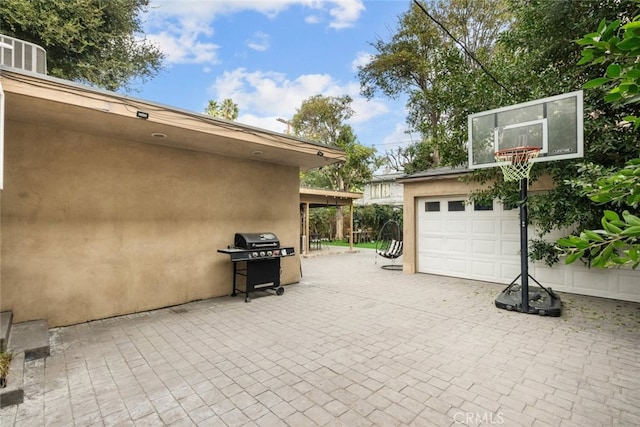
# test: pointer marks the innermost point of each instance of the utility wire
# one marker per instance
(463, 48)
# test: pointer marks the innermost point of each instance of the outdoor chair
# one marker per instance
(389, 244)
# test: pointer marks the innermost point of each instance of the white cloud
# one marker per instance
(259, 42)
(362, 59)
(184, 48)
(182, 29)
(399, 138)
(313, 19)
(271, 95)
(345, 12)
(366, 110)
(263, 122)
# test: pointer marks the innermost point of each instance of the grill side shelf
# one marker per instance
(239, 254)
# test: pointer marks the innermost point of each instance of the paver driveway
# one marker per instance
(350, 345)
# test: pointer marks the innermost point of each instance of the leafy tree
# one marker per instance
(541, 47)
(420, 157)
(99, 42)
(321, 220)
(616, 45)
(374, 217)
(534, 56)
(227, 109)
(321, 118)
(425, 63)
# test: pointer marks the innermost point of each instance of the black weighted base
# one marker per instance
(542, 301)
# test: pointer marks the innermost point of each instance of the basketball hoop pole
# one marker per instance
(524, 246)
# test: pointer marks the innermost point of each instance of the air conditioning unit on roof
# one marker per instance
(22, 55)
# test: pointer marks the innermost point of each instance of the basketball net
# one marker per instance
(516, 163)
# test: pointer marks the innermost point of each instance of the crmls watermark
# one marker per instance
(478, 418)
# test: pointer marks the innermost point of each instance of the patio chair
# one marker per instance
(389, 244)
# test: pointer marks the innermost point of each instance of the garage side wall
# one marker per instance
(93, 227)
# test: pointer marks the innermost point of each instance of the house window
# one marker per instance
(432, 207)
(483, 206)
(456, 206)
(380, 190)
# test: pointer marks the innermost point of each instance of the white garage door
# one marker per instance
(466, 240)
(483, 243)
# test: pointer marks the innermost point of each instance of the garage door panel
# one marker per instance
(456, 225)
(484, 226)
(509, 226)
(484, 247)
(431, 225)
(510, 248)
(432, 262)
(508, 272)
(457, 266)
(591, 280)
(628, 284)
(484, 269)
(548, 277)
(454, 245)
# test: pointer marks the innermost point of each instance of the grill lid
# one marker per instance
(256, 240)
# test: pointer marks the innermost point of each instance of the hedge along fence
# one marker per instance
(322, 221)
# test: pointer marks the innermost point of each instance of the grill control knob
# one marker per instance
(261, 253)
(269, 253)
(254, 255)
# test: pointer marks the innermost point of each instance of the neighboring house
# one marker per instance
(445, 235)
(383, 189)
(114, 205)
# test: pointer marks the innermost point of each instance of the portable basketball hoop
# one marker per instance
(513, 138)
(516, 163)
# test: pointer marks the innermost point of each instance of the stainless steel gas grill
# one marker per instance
(256, 257)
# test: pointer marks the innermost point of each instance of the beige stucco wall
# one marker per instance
(94, 227)
(437, 187)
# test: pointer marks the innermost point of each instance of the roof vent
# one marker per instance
(22, 55)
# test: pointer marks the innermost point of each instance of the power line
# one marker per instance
(464, 48)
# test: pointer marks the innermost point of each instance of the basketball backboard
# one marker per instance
(554, 124)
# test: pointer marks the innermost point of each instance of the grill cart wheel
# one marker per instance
(280, 291)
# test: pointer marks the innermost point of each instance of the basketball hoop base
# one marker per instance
(542, 301)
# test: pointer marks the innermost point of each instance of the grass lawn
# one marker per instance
(367, 245)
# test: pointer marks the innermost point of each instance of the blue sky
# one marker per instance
(269, 56)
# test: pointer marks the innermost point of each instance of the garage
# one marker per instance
(462, 239)
(446, 234)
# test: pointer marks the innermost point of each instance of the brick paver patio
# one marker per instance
(350, 345)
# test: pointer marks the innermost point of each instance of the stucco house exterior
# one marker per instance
(114, 205)
(446, 235)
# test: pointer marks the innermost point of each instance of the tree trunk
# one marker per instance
(339, 213)
(339, 223)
